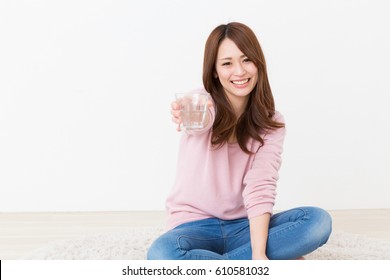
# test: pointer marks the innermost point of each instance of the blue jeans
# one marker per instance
(292, 234)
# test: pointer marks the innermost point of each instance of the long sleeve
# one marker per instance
(261, 179)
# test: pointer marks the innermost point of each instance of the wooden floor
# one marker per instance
(21, 233)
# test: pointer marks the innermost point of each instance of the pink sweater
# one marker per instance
(224, 183)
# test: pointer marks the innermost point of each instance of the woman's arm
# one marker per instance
(259, 235)
(260, 188)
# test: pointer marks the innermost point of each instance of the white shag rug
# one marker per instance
(133, 244)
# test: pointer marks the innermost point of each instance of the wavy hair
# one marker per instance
(260, 109)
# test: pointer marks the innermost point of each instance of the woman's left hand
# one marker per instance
(259, 257)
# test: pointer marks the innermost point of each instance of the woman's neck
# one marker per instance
(239, 105)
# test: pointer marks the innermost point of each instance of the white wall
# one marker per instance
(85, 88)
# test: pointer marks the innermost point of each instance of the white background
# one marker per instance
(86, 86)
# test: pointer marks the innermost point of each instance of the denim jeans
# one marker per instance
(292, 234)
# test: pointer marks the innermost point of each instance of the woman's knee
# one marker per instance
(321, 222)
(163, 248)
(153, 252)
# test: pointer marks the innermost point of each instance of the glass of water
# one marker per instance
(193, 107)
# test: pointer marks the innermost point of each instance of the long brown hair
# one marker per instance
(260, 109)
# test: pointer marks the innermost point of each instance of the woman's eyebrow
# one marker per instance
(230, 58)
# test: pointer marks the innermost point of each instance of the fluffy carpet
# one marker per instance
(132, 245)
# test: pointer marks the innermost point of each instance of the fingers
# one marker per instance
(175, 112)
(175, 105)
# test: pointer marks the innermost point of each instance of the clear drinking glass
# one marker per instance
(193, 108)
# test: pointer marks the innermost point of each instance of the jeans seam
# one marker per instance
(223, 236)
(188, 251)
(229, 255)
(295, 224)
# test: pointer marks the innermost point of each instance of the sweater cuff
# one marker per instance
(260, 209)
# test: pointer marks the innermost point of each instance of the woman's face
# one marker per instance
(237, 74)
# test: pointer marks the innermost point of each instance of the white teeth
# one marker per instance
(240, 82)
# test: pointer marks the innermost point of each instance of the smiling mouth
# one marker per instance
(240, 82)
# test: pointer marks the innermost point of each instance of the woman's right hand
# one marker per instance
(175, 112)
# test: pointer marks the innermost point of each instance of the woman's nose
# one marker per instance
(239, 70)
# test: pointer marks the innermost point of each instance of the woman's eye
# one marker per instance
(247, 60)
(226, 63)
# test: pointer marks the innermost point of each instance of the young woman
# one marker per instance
(221, 205)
